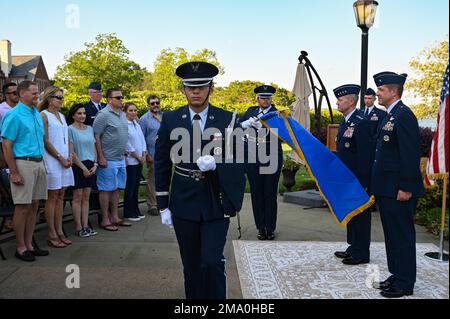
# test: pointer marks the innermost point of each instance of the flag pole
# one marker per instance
(441, 256)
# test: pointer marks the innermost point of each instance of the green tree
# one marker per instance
(429, 66)
(164, 78)
(239, 96)
(106, 61)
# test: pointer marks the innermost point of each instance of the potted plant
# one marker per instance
(290, 169)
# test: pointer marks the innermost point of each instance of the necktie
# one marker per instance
(197, 137)
(196, 124)
(366, 114)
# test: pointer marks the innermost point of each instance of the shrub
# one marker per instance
(429, 209)
(290, 164)
(426, 139)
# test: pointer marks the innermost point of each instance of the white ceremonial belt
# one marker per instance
(162, 193)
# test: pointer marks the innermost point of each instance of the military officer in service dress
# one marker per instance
(264, 187)
(203, 192)
(355, 148)
(374, 115)
(397, 184)
(95, 105)
(371, 112)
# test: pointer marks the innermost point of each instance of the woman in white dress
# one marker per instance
(57, 162)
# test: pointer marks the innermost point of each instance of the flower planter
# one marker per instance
(289, 179)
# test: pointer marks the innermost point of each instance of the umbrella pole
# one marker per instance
(441, 256)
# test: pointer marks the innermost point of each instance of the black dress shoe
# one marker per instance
(393, 292)
(342, 254)
(262, 235)
(39, 252)
(270, 235)
(382, 285)
(25, 256)
(354, 261)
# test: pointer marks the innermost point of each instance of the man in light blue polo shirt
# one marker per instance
(23, 146)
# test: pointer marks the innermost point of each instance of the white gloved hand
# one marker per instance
(256, 123)
(166, 218)
(206, 163)
(251, 122)
(246, 124)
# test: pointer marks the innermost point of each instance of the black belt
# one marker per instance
(194, 174)
(30, 159)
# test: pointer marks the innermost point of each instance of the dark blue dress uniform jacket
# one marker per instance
(397, 155)
(355, 148)
(91, 112)
(190, 199)
(375, 118)
(254, 112)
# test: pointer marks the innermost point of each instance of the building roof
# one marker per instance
(25, 66)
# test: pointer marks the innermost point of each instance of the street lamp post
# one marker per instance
(365, 12)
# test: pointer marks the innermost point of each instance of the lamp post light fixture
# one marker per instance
(365, 12)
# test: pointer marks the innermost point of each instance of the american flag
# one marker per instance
(438, 162)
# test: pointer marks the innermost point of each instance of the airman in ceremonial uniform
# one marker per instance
(203, 192)
(264, 187)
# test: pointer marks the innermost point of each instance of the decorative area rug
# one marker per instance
(309, 270)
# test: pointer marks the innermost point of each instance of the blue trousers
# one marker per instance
(358, 235)
(400, 236)
(264, 189)
(201, 248)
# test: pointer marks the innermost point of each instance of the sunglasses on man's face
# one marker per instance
(120, 98)
(154, 103)
(13, 93)
(61, 98)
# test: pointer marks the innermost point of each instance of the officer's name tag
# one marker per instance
(349, 132)
(374, 118)
(389, 127)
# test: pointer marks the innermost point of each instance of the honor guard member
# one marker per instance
(355, 149)
(204, 193)
(264, 187)
(371, 112)
(95, 105)
(397, 184)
